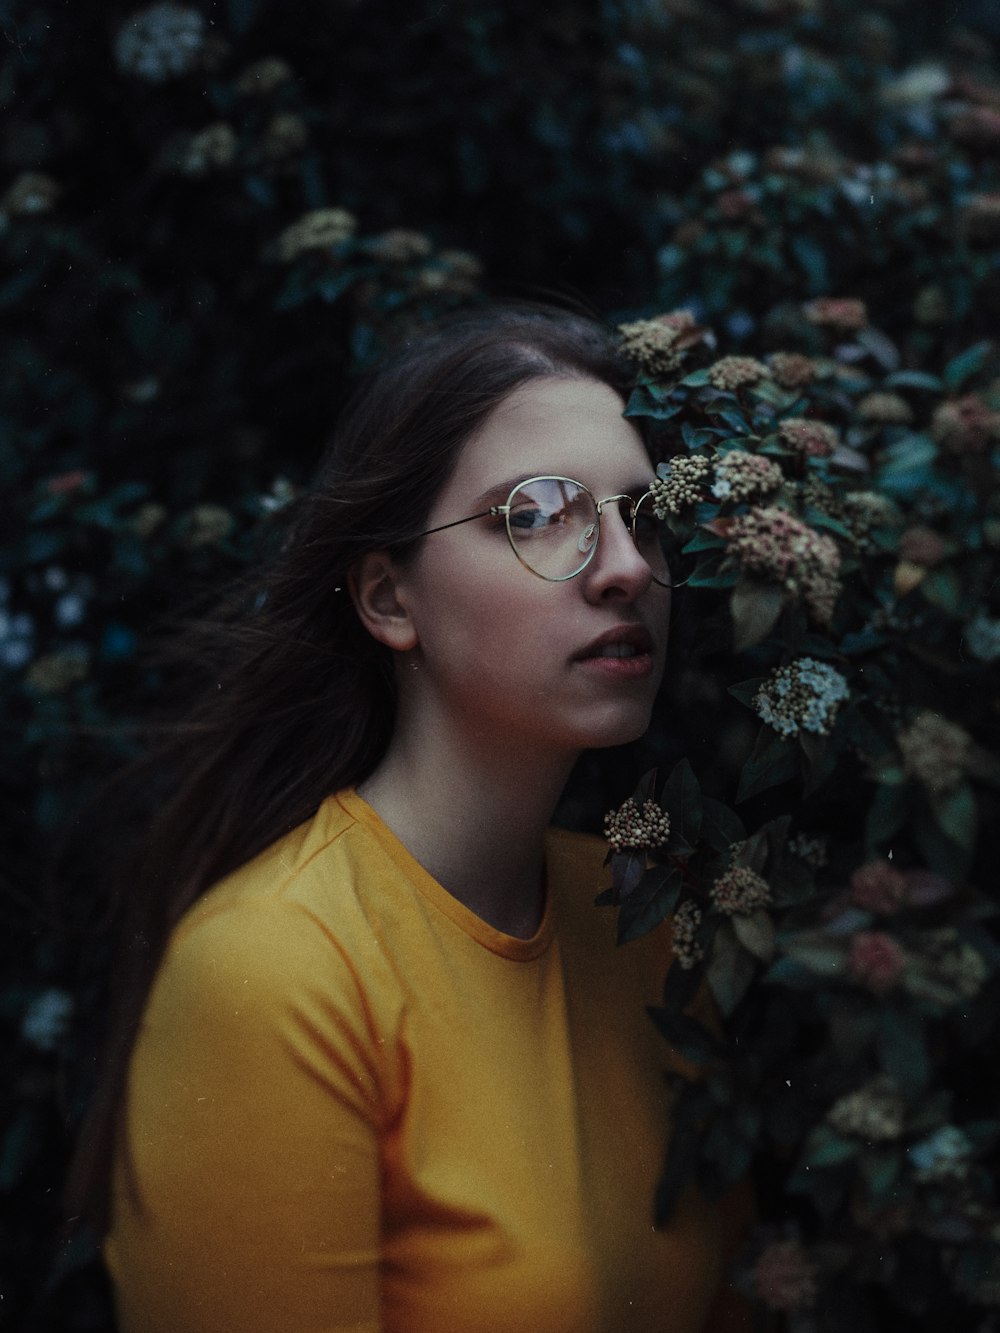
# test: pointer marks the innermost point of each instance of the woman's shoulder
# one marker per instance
(305, 902)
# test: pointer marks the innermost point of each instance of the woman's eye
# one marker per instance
(532, 519)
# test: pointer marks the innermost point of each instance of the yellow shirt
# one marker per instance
(355, 1105)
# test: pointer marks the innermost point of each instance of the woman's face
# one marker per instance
(508, 656)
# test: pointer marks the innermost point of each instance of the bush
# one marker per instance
(838, 692)
(210, 221)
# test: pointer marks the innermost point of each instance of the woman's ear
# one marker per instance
(374, 584)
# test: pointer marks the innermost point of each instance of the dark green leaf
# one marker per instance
(653, 901)
(940, 852)
(688, 1037)
(720, 826)
(755, 608)
(956, 814)
(943, 588)
(21, 1144)
(825, 1147)
(821, 754)
(679, 1171)
(736, 423)
(646, 400)
(887, 814)
(965, 365)
(902, 1050)
(695, 437)
(681, 986)
(242, 13)
(909, 454)
(792, 973)
(772, 761)
(824, 958)
(682, 800)
(880, 1169)
(731, 970)
(913, 379)
(696, 379)
(627, 871)
(334, 286)
(704, 540)
(756, 934)
(812, 260)
(883, 349)
(726, 1158)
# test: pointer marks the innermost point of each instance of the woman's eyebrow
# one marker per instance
(501, 489)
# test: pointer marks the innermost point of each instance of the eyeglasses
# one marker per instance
(553, 525)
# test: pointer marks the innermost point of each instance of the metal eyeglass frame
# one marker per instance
(495, 511)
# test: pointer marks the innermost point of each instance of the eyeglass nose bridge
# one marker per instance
(609, 499)
(587, 545)
(615, 499)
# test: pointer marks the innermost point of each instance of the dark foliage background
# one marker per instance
(212, 214)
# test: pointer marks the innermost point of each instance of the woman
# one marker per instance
(393, 1072)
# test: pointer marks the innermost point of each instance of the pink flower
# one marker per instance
(843, 314)
(875, 960)
(878, 886)
(784, 1278)
(978, 125)
(966, 425)
(771, 542)
(922, 546)
(734, 204)
(733, 372)
(67, 482)
(815, 439)
(980, 216)
(792, 369)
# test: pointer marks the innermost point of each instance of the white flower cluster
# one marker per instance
(161, 42)
(632, 829)
(941, 1158)
(317, 230)
(735, 372)
(802, 696)
(874, 1112)
(739, 892)
(811, 850)
(651, 343)
(680, 484)
(740, 475)
(47, 1018)
(982, 637)
(955, 962)
(935, 751)
(17, 633)
(685, 925)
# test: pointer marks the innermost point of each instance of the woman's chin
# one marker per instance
(627, 726)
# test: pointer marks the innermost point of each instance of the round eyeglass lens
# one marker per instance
(553, 526)
(659, 547)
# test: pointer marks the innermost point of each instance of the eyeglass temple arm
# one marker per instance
(492, 512)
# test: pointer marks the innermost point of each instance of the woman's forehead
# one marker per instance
(566, 427)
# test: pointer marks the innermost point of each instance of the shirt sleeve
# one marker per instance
(247, 1188)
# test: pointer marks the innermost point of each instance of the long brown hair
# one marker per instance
(289, 698)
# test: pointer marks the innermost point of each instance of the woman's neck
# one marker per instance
(474, 814)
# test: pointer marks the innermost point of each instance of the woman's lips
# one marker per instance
(618, 668)
(604, 655)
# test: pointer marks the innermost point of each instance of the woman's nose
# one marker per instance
(617, 569)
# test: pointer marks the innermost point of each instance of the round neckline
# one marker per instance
(496, 941)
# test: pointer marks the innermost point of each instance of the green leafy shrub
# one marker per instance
(830, 877)
(209, 219)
